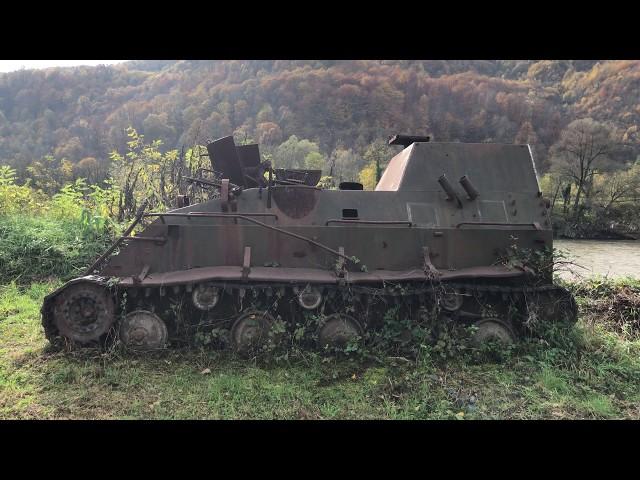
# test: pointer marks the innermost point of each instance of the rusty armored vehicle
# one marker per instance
(273, 248)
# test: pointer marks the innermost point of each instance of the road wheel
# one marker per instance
(143, 330)
(251, 331)
(493, 329)
(338, 330)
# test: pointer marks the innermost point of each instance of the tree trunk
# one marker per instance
(576, 204)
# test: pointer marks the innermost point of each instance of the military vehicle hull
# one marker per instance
(260, 256)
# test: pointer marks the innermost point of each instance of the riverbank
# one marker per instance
(598, 235)
(619, 222)
(589, 372)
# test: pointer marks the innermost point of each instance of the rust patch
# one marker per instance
(295, 202)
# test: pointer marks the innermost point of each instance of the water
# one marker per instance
(610, 258)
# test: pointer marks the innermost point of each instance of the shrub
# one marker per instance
(41, 237)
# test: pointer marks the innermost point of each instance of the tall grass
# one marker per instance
(35, 248)
(613, 303)
(43, 237)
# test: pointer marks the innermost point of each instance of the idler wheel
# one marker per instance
(251, 330)
(338, 330)
(451, 300)
(492, 329)
(205, 296)
(84, 312)
(310, 298)
(143, 330)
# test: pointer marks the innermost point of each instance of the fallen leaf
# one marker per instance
(460, 415)
(206, 371)
(353, 377)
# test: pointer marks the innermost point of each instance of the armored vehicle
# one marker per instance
(436, 237)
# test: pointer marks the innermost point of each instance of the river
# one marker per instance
(610, 258)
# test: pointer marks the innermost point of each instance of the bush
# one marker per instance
(35, 248)
(57, 237)
(614, 304)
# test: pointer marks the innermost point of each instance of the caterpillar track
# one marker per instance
(154, 318)
(267, 256)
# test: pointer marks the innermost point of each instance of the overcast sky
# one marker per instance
(11, 65)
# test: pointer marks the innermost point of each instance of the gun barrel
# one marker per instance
(406, 140)
(448, 189)
(469, 188)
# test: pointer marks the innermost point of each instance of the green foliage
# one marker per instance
(49, 173)
(367, 176)
(612, 303)
(144, 172)
(297, 153)
(58, 237)
(16, 198)
(314, 161)
(327, 182)
(540, 263)
(33, 248)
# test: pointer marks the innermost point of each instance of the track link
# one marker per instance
(464, 302)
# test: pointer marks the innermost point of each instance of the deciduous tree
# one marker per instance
(579, 154)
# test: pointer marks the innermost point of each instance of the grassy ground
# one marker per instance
(593, 373)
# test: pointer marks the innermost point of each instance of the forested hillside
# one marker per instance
(129, 128)
(68, 120)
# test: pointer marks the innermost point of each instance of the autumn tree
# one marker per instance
(526, 134)
(580, 154)
(50, 173)
(368, 176)
(156, 126)
(84, 112)
(379, 153)
(617, 186)
(345, 165)
(90, 169)
(268, 133)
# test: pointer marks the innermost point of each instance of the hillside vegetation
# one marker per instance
(81, 114)
(63, 124)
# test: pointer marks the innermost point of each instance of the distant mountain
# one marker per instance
(81, 112)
